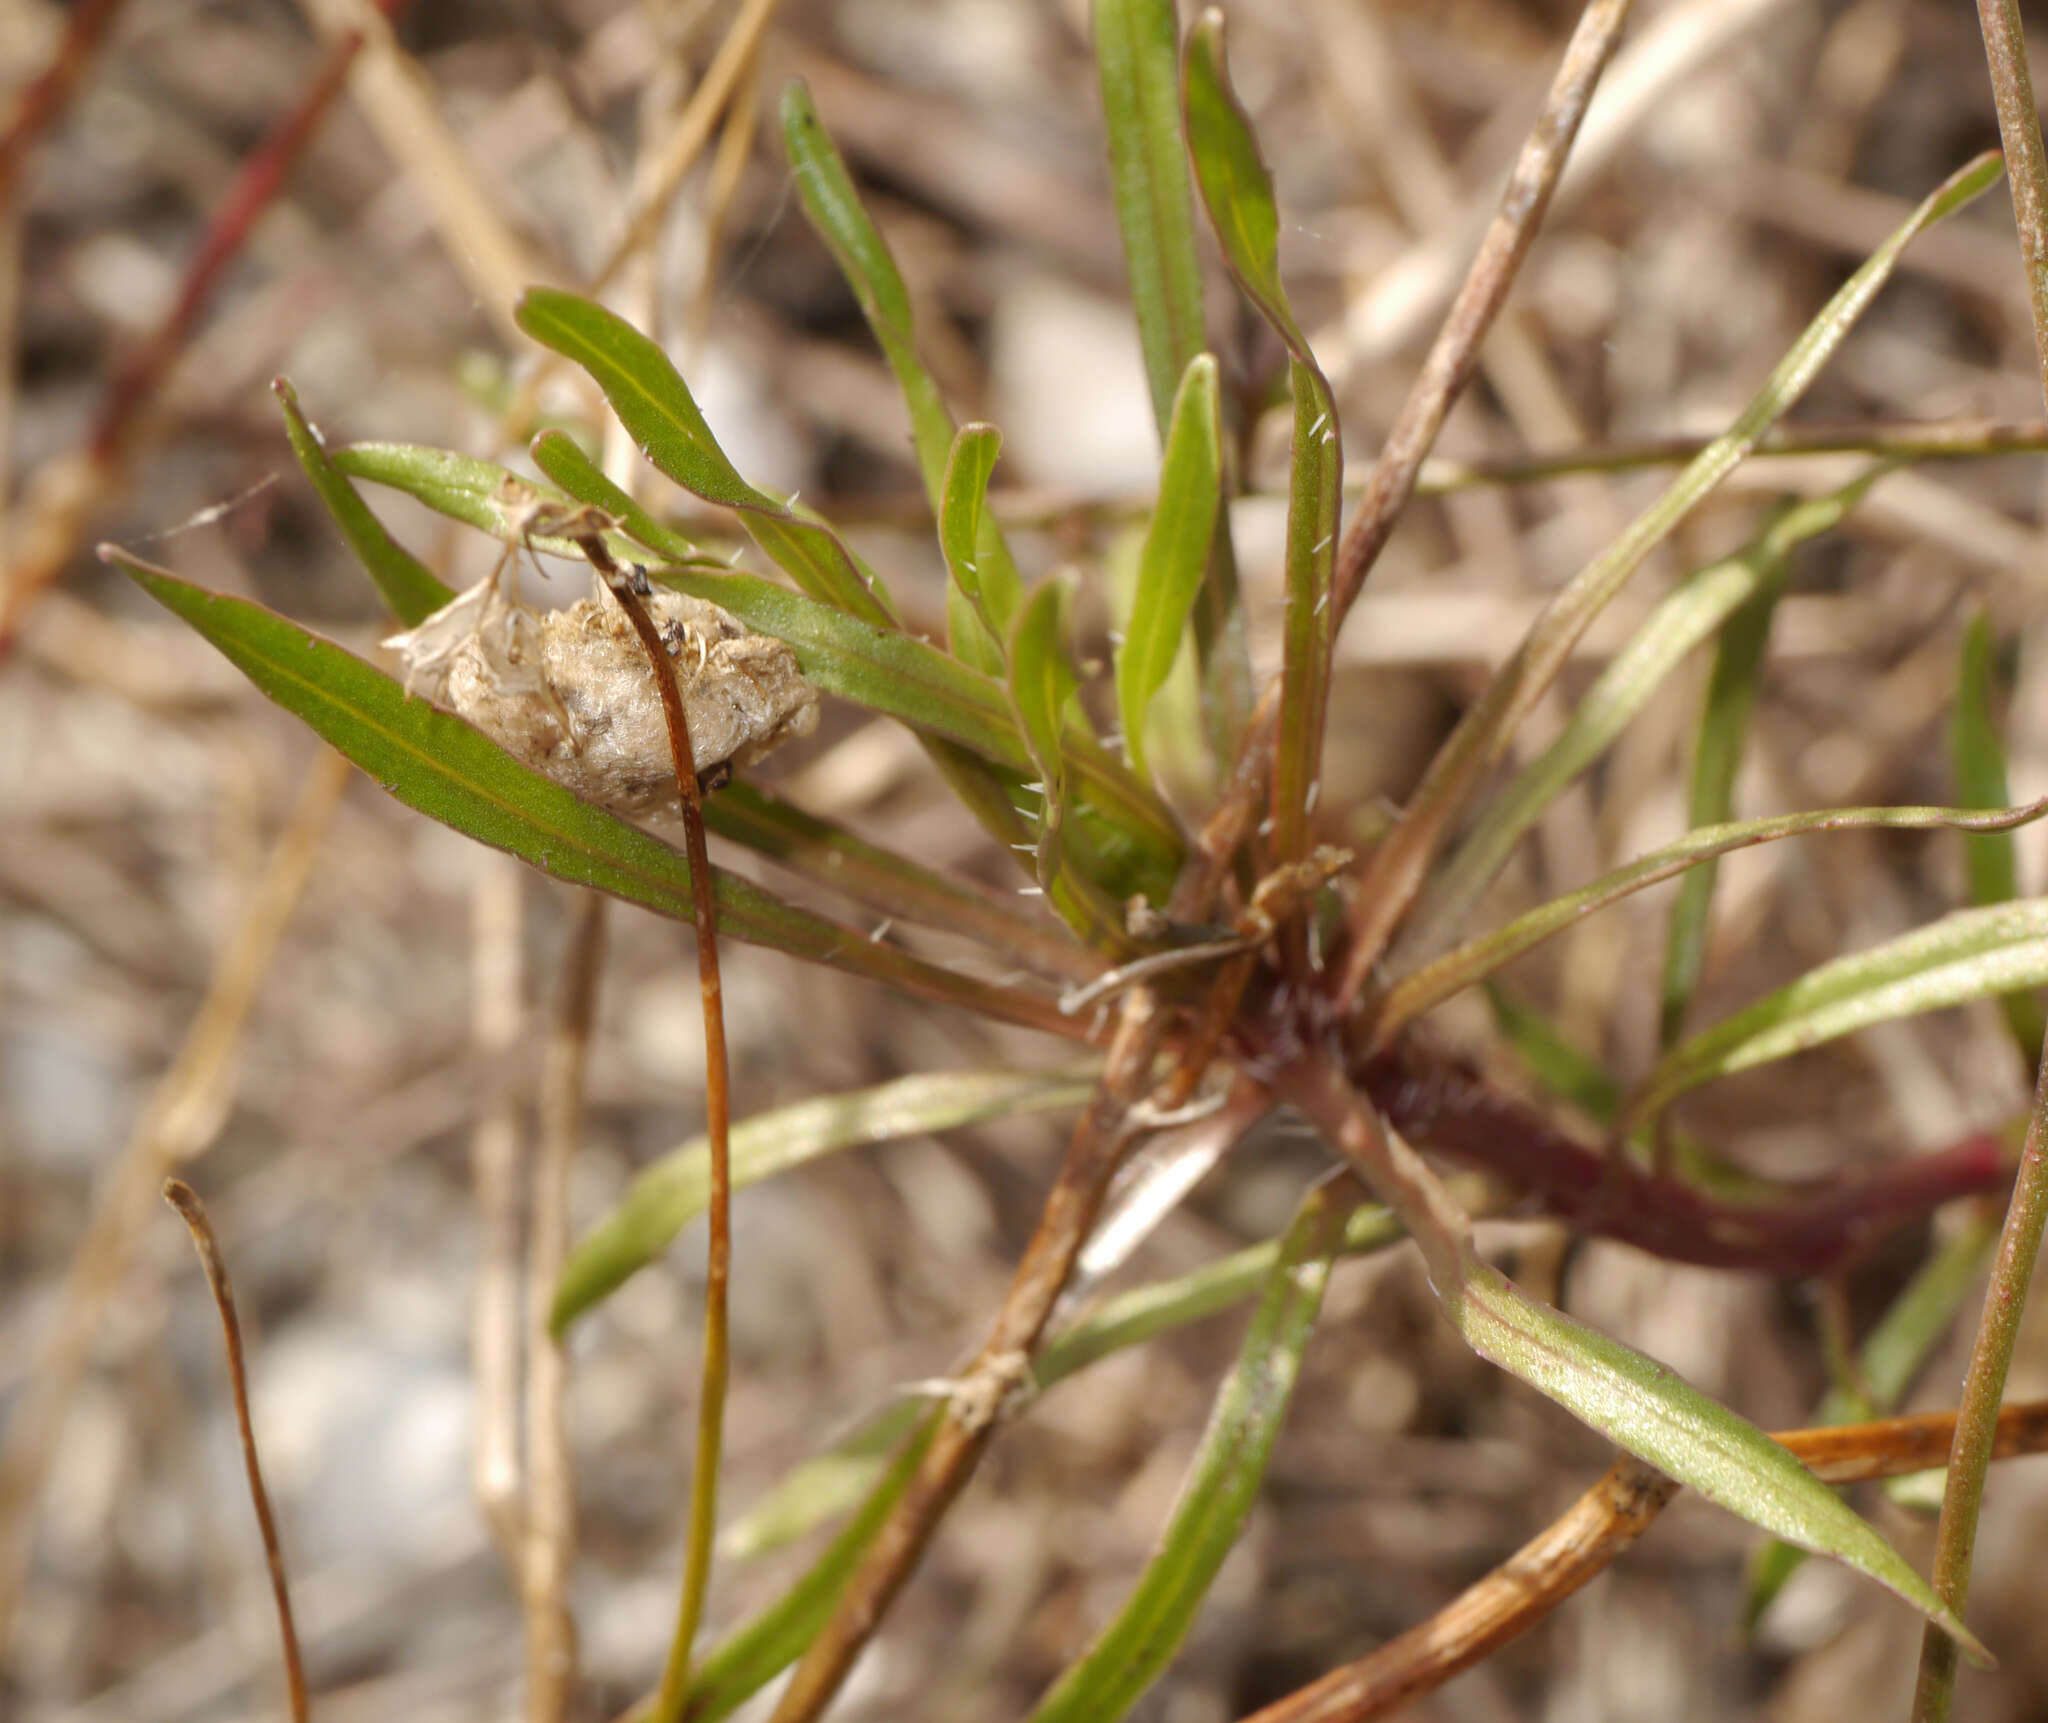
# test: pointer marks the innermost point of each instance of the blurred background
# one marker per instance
(343, 995)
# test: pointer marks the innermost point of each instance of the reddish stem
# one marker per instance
(1443, 1105)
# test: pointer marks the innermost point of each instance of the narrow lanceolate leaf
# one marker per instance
(1647, 1408)
(1221, 1485)
(1660, 1417)
(1042, 686)
(1137, 60)
(758, 1652)
(1176, 553)
(450, 772)
(1717, 757)
(1892, 1354)
(1972, 954)
(893, 885)
(905, 678)
(978, 616)
(657, 409)
(1458, 969)
(1238, 192)
(407, 585)
(477, 493)
(557, 454)
(672, 1192)
(1978, 755)
(1687, 615)
(1563, 1069)
(1397, 868)
(834, 209)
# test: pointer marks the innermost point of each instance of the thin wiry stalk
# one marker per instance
(549, 1543)
(1001, 1367)
(2005, 1300)
(1454, 356)
(192, 1211)
(184, 1114)
(2019, 1244)
(42, 101)
(1585, 1539)
(701, 1535)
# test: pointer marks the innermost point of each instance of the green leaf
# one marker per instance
(1222, 1483)
(903, 677)
(1717, 756)
(1458, 969)
(1978, 756)
(672, 1192)
(561, 457)
(1043, 685)
(1176, 553)
(656, 407)
(1137, 62)
(450, 772)
(1397, 868)
(1658, 1416)
(1972, 954)
(1691, 612)
(879, 879)
(408, 586)
(753, 1656)
(977, 618)
(1238, 191)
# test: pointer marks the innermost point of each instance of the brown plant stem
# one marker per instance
(1440, 1103)
(1585, 1539)
(69, 488)
(2019, 1243)
(1000, 1367)
(701, 1535)
(192, 1211)
(41, 102)
(1454, 356)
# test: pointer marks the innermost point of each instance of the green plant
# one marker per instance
(1237, 962)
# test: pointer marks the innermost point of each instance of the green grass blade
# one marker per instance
(1221, 1485)
(1971, 954)
(1397, 868)
(1137, 62)
(1238, 192)
(1687, 615)
(673, 1191)
(655, 405)
(1658, 1416)
(1459, 968)
(1043, 684)
(452, 773)
(834, 208)
(1977, 756)
(409, 588)
(1176, 553)
(1717, 757)
(561, 457)
(977, 618)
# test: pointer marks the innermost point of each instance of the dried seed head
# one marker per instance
(571, 693)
